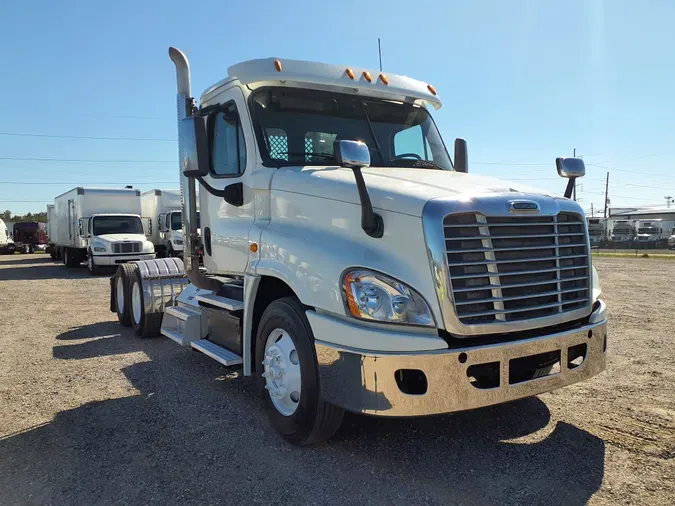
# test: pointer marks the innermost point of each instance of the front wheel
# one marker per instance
(288, 376)
(94, 269)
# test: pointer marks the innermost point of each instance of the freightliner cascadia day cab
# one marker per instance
(350, 264)
(163, 209)
(6, 242)
(102, 226)
(29, 236)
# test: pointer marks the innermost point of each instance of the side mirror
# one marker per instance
(194, 146)
(161, 222)
(570, 167)
(352, 154)
(83, 226)
(147, 226)
(461, 156)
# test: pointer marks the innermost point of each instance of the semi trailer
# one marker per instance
(29, 236)
(6, 242)
(351, 264)
(162, 209)
(102, 226)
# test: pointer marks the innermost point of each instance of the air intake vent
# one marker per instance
(127, 247)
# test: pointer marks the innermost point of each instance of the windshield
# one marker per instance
(117, 225)
(176, 221)
(299, 127)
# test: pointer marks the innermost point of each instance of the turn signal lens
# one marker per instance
(253, 247)
(431, 89)
(277, 65)
(384, 79)
(350, 73)
(366, 76)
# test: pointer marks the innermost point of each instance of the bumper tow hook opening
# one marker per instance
(411, 381)
(484, 376)
(576, 355)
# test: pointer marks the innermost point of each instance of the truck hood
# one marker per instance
(111, 238)
(395, 189)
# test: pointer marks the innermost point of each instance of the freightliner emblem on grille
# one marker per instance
(526, 206)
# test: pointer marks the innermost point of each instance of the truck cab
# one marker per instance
(171, 232)
(351, 264)
(112, 239)
(623, 231)
(7, 246)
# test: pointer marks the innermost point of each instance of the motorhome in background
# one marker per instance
(6, 242)
(162, 208)
(102, 226)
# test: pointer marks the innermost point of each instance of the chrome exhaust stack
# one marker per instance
(188, 161)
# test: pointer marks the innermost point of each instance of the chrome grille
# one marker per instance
(127, 247)
(507, 269)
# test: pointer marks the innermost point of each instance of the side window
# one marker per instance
(229, 150)
(317, 144)
(411, 141)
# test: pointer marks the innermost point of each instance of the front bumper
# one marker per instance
(112, 260)
(365, 382)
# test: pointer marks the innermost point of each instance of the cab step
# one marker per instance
(218, 353)
(211, 299)
(181, 324)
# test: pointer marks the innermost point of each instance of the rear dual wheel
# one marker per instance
(130, 302)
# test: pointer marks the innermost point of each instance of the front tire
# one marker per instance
(145, 325)
(288, 376)
(94, 269)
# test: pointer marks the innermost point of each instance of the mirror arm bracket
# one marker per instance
(570, 187)
(371, 222)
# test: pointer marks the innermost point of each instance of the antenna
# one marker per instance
(379, 50)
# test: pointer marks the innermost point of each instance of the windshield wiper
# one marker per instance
(422, 164)
(372, 130)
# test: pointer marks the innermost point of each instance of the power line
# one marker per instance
(51, 136)
(79, 183)
(84, 161)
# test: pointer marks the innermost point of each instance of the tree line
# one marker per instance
(39, 217)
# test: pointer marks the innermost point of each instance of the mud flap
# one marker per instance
(113, 296)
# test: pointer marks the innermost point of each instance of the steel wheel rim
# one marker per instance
(120, 295)
(281, 371)
(136, 302)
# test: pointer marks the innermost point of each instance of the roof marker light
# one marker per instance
(366, 76)
(431, 89)
(350, 73)
(384, 79)
(277, 65)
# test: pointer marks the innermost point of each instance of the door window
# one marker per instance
(229, 149)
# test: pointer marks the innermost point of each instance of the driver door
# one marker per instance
(228, 218)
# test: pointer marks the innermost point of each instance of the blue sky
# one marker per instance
(522, 81)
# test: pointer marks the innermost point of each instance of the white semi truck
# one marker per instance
(654, 232)
(623, 231)
(350, 264)
(102, 226)
(7, 246)
(163, 209)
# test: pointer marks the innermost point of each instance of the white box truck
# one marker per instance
(7, 246)
(102, 226)
(162, 209)
(655, 232)
(351, 264)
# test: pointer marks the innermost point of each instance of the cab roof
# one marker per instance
(338, 78)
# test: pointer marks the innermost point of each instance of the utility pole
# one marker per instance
(606, 190)
(379, 50)
(574, 192)
(669, 199)
(592, 210)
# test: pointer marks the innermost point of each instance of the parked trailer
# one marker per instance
(101, 226)
(6, 242)
(29, 236)
(162, 208)
(393, 290)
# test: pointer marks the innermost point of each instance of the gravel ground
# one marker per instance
(90, 414)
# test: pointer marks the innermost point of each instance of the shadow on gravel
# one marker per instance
(43, 269)
(196, 435)
(25, 259)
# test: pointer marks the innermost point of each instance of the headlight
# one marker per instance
(99, 248)
(373, 296)
(597, 291)
(178, 242)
